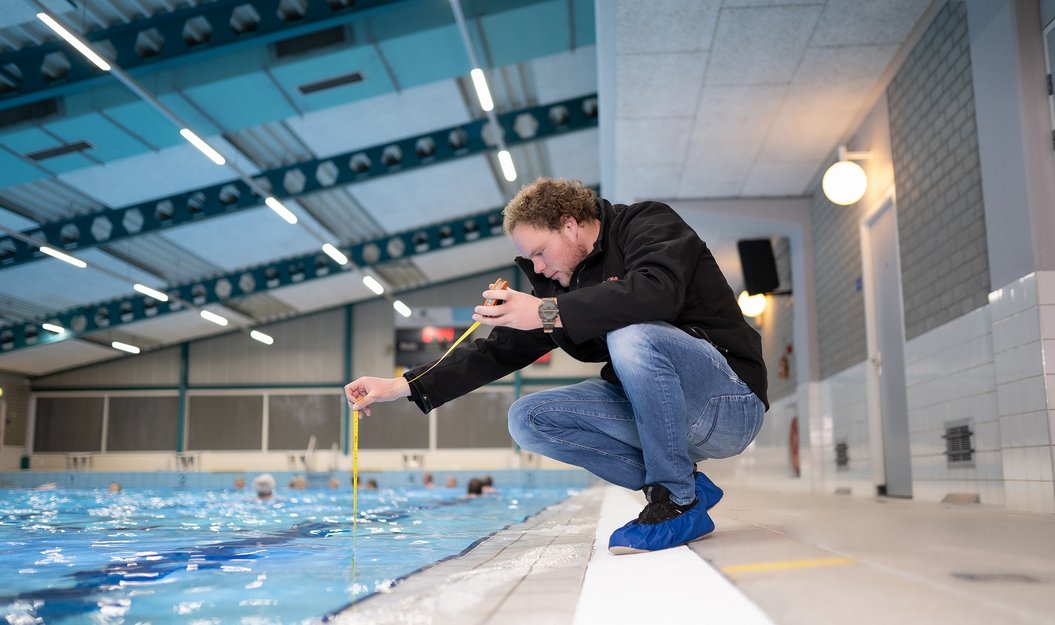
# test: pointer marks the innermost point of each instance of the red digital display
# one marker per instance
(432, 334)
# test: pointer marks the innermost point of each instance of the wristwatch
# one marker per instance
(548, 312)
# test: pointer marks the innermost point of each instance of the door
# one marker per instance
(886, 349)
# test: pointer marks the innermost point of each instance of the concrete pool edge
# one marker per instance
(534, 568)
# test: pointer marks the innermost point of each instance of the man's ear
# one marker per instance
(567, 222)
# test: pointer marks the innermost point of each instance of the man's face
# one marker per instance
(553, 253)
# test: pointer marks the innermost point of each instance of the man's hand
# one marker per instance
(365, 391)
(511, 309)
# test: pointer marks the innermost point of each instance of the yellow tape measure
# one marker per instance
(499, 285)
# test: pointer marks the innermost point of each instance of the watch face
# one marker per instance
(547, 310)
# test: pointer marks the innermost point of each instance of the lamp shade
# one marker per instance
(751, 305)
(844, 183)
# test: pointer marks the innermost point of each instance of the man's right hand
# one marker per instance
(366, 390)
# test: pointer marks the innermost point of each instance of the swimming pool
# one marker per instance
(197, 556)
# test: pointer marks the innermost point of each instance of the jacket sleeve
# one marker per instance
(660, 253)
(471, 366)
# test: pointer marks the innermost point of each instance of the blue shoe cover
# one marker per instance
(707, 491)
(688, 526)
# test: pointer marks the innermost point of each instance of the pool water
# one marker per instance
(197, 557)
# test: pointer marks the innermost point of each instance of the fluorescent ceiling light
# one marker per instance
(506, 161)
(125, 347)
(401, 308)
(74, 41)
(51, 327)
(335, 254)
(145, 290)
(205, 148)
(282, 211)
(213, 317)
(373, 285)
(263, 338)
(66, 258)
(486, 103)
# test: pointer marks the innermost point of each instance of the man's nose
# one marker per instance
(539, 266)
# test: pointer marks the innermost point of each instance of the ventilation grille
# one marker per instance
(330, 83)
(842, 455)
(29, 112)
(68, 148)
(295, 46)
(958, 448)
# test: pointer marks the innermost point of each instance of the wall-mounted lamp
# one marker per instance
(751, 305)
(845, 182)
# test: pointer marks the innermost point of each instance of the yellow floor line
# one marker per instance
(785, 565)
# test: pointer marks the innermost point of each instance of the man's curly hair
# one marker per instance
(543, 203)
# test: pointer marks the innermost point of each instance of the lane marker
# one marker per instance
(786, 565)
(668, 586)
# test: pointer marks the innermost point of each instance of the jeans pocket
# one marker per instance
(726, 426)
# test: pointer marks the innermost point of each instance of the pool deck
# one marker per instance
(776, 558)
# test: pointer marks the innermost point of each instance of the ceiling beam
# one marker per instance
(297, 180)
(221, 289)
(83, 320)
(207, 30)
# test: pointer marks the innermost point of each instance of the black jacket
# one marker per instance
(647, 265)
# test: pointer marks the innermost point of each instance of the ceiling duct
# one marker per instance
(296, 46)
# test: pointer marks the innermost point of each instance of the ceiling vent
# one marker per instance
(69, 148)
(330, 83)
(295, 46)
(29, 112)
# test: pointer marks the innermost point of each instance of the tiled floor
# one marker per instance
(809, 559)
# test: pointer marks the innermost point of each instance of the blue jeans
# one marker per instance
(679, 403)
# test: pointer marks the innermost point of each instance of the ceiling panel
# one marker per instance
(14, 221)
(109, 142)
(56, 356)
(222, 241)
(575, 156)
(774, 178)
(293, 75)
(846, 72)
(171, 328)
(497, 252)
(648, 182)
(801, 133)
(718, 170)
(564, 76)
(431, 194)
(412, 68)
(186, 325)
(847, 22)
(156, 174)
(341, 288)
(365, 123)
(667, 25)
(505, 40)
(59, 285)
(663, 85)
(735, 115)
(760, 45)
(655, 141)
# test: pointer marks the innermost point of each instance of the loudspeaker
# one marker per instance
(759, 266)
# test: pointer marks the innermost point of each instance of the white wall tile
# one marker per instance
(1018, 363)
(1047, 321)
(1046, 288)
